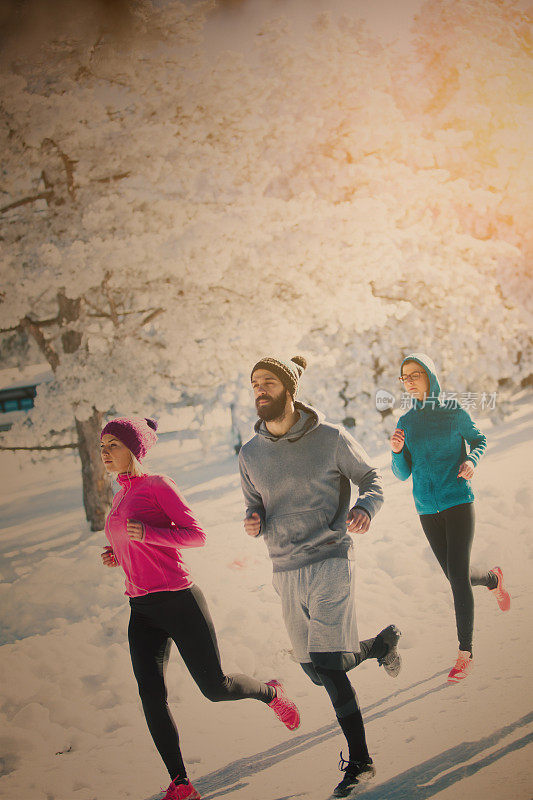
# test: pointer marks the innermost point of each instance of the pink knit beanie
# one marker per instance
(138, 434)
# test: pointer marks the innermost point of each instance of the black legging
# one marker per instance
(347, 710)
(450, 534)
(183, 616)
(329, 670)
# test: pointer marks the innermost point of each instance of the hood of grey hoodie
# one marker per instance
(309, 419)
(427, 363)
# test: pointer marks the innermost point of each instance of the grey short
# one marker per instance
(318, 606)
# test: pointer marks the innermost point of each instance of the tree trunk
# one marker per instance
(97, 493)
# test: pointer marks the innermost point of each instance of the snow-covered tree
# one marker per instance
(476, 98)
(168, 219)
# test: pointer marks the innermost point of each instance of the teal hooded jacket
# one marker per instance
(435, 446)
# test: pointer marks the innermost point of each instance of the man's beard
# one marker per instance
(274, 409)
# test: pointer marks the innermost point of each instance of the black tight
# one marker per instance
(344, 701)
(183, 616)
(450, 534)
(329, 670)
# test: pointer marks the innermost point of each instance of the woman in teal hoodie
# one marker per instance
(430, 444)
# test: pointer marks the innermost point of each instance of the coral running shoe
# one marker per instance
(181, 790)
(462, 667)
(501, 594)
(283, 708)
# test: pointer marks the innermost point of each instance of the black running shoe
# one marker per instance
(356, 774)
(392, 661)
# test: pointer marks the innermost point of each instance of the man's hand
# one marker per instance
(397, 440)
(466, 470)
(358, 521)
(108, 557)
(252, 524)
(135, 530)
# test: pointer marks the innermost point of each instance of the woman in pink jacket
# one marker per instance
(147, 527)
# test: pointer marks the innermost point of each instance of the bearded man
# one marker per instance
(296, 474)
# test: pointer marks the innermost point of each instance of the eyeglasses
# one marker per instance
(414, 376)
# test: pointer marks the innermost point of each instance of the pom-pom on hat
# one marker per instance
(138, 434)
(288, 372)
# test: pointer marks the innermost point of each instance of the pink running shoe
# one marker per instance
(283, 708)
(462, 667)
(501, 594)
(184, 790)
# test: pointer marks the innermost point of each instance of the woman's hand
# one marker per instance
(108, 557)
(466, 470)
(397, 440)
(135, 530)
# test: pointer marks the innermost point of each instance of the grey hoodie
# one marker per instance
(299, 484)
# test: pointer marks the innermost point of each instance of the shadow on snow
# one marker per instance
(426, 780)
(418, 783)
(233, 776)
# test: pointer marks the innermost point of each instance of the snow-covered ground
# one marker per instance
(71, 723)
